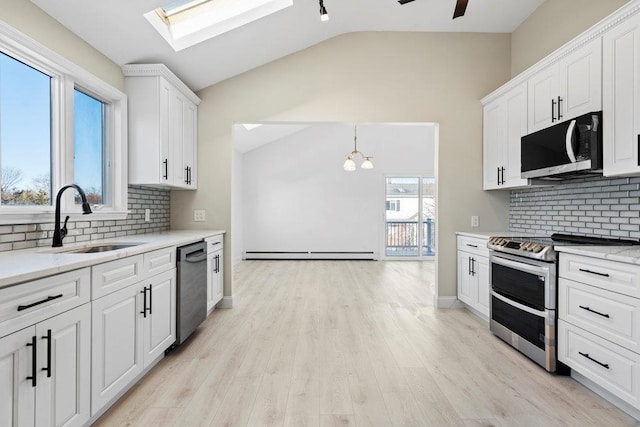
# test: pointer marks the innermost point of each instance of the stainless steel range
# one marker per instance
(522, 276)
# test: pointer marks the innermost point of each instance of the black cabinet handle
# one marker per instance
(593, 311)
(559, 108)
(473, 266)
(503, 181)
(186, 175)
(471, 246)
(32, 344)
(638, 149)
(604, 365)
(217, 263)
(150, 298)
(553, 113)
(144, 302)
(594, 272)
(48, 338)
(166, 169)
(498, 180)
(47, 299)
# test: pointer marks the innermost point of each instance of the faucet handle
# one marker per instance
(63, 230)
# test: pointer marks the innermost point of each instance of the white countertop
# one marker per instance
(29, 264)
(485, 234)
(627, 254)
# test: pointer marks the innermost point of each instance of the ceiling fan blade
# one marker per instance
(404, 1)
(461, 7)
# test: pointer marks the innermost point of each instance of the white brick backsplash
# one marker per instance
(20, 236)
(593, 207)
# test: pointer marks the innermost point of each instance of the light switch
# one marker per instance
(147, 215)
(199, 215)
(475, 221)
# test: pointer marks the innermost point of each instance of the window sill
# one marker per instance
(11, 218)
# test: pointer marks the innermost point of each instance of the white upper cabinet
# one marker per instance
(505, 122)
(621, 98)
(568, 88)
(163, 128)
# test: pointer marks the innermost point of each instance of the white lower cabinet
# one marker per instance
(599, 323)
(215, 271)
(53, 389)
(131, 328)
(473, 273)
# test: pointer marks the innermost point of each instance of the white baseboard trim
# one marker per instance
(448, 302)
(226, 302)
(309, 255)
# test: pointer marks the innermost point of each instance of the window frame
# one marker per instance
(65, 78)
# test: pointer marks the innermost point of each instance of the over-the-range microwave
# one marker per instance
(566, 150)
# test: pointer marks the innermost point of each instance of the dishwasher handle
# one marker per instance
(196, 257)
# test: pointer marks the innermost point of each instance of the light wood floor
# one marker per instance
(322, 343)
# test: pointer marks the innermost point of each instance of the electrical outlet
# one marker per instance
(475, 221)
(199, 215)
(147, 215)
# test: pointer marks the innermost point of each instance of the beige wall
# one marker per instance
(553, 24)
(27, 18)
(365, 77)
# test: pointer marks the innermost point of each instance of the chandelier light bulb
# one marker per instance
(366, 164)
(349, 164)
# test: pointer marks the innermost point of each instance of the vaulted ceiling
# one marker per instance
(118, 29)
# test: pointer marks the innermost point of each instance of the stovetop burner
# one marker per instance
(541, 248)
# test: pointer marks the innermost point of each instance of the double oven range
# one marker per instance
(523, 283)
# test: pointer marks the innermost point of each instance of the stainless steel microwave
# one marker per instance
(570, 148)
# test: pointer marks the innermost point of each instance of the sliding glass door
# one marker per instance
(410, 217)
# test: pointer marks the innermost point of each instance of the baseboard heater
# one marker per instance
(310, 255)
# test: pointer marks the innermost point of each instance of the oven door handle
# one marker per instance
(519, 306)
(528, 268)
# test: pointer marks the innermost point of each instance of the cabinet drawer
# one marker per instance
(31, 302)
(214, 243)
(158, 261)
(112, 276)
(473, 245)
(609, 315)
(612, 367)
(610, 275)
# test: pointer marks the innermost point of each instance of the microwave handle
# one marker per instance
(569, 145)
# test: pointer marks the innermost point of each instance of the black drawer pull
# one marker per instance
(48, 338)
(24, 307)
(593, 311)
(594, 272)
(604, 365)
(472, 246)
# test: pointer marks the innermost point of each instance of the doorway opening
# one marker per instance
(410, 209)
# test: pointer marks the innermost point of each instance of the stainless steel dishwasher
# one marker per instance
(192, 289)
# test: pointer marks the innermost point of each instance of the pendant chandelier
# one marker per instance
(350, 164)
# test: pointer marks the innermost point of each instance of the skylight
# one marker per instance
(184, 23)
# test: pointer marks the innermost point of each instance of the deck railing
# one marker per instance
(402, 238)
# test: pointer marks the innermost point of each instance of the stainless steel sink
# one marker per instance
(102, 248)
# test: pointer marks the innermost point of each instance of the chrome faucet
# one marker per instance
(60, 233)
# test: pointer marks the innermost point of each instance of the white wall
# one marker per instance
(297, 197)
(364, 77)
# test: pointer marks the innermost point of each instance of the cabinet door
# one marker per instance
(177, 136)
(465, 285)
(219, 277)
(64, 369)
(189, 144)
(580, 78)
(17, 402)
(621, 98)
(493, 144)
(542, 99)
(482, 273)
(166, 133)
(160, 321)
(515, 117)
(116, 346)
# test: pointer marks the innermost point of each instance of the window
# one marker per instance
(393, 205)
(184, 23)
(90, 171)
(59, 125)
(25, 134)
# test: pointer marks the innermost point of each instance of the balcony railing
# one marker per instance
(402, 238)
